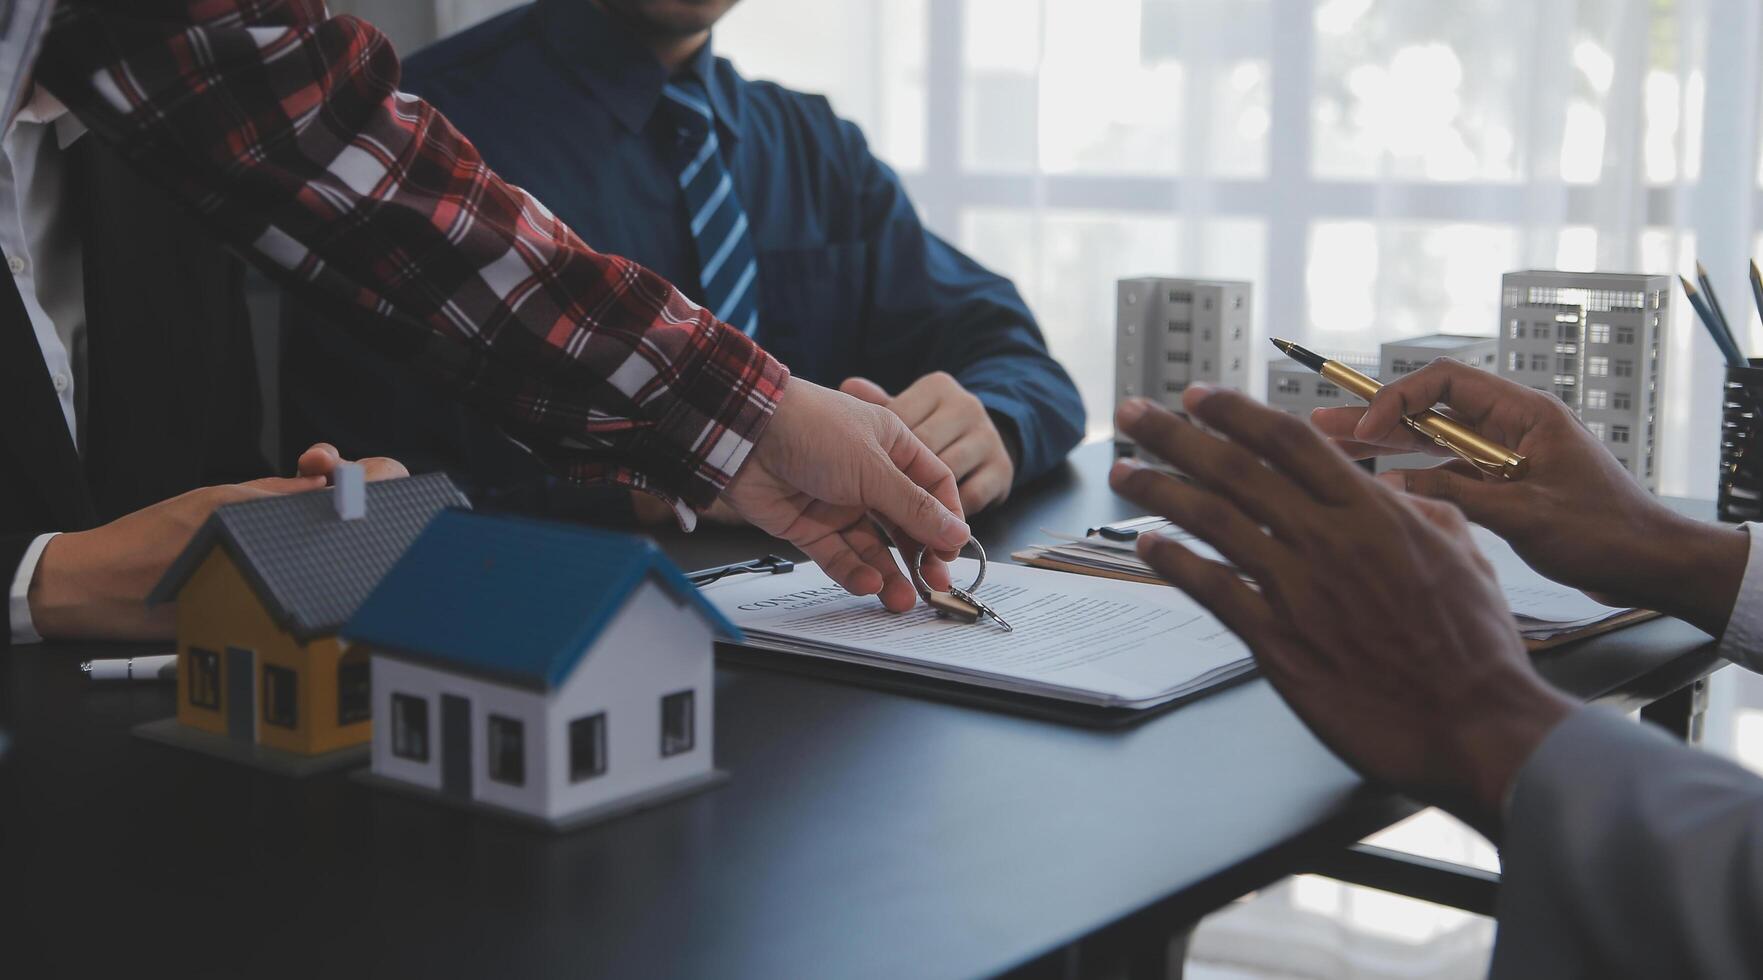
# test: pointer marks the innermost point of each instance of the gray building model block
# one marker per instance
(1597, 341)
(1170, 333)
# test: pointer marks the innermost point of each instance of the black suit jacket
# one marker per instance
(171, 395)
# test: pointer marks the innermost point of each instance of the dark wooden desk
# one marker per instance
(864, 834)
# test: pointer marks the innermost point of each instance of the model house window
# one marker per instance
(1515, 330)
(1326, 390)
(1290, 386)
(1206, 366)
(1621, 400)
(1236, 363)
(410, 727)
(676, 723)
(1600, 333)
(1514, 361)
(280, 698)
(354, 694)
(587, 747)
(1597, 367)
(1619, 433)
(1595, 397)
(1539, 362)
(1180, 326)
(1175, 297)
(1625, 335)
(1625, 369)
(1176, 356)
(1236, 333)
(507, 751)
(204, 678)
(1596, 429)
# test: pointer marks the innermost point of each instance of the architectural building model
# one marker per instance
(261, 591)
(1400, 357)
(1170, 333)
(544, 671)
(1596, 340)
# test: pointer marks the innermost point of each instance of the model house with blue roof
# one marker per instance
(545, 670)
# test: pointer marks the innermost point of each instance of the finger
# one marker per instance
(1268, 497)
(1214, 585)
(950, 424)
(284, 484)
(871, 547)
(1487, 502)
(318, 460)
(1339, 424)
(841, 563)
(383, 468)
(985, 486)
(1298, 450)
(1208, 516)
(971, 451)
(934, 568)
(1471, 393)
(912, 488)
(867, 390)
(923, 398)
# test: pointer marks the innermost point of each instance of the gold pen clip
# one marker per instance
(1488, 467)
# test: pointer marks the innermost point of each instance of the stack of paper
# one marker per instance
(1544, 608)
(1086, 640)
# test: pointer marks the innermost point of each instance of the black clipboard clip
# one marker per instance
(769, 565)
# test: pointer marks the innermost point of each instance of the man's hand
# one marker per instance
(1375, 618)
(956, 426)
(825, 465)
(93, 585)
(1577, 516)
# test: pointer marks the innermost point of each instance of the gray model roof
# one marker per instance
(310, 568)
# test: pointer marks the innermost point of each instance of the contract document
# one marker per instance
(1091, 641)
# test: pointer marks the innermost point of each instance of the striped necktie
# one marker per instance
(727, 264)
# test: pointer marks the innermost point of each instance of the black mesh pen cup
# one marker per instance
(1741, 444)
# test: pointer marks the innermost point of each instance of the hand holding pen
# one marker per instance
(1577, 516)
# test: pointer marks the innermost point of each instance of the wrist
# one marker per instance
(1497, 739)
(1700, 567)
(77, 594)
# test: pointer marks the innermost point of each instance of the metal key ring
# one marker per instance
(924, 590)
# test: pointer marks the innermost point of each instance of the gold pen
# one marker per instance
(1484, 454)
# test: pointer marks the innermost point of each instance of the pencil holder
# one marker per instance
(1741, 444)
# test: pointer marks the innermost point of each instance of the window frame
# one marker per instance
(204, 665)
(595, 723)
(500, 732)
(672, 743)
(400, 724)
(287, 680)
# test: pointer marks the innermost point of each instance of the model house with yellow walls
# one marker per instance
(261, 591)
(547, 672)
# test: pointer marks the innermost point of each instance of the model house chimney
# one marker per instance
(349, 491)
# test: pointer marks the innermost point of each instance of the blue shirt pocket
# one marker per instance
(813, 308)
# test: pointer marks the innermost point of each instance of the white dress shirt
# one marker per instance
(42, 252)
(1742, 643)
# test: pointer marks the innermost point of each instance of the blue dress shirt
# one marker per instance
(563, 102)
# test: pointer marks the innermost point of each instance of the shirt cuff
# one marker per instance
(1742, 643)
(19, 598)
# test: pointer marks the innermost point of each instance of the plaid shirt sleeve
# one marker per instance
(284, 129)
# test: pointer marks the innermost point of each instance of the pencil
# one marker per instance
(1714, 304)
(1757, 287)
(1730, 353)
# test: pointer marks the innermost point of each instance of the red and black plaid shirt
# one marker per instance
(285, 130)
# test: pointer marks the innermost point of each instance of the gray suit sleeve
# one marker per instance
(1628, 854)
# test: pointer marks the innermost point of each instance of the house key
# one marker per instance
(958, 603)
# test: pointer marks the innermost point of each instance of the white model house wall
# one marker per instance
(1296, 390)
(653, 647)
